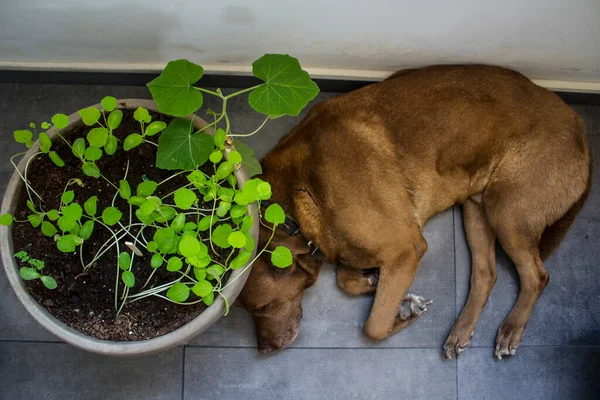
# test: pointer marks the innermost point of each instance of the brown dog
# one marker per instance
(362, 174)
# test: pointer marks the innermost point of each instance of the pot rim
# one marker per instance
(181, 335)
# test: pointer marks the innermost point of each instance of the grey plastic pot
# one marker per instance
(77, 339)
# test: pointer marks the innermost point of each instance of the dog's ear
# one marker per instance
(297, 244)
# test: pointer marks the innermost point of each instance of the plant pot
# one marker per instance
(175, 338)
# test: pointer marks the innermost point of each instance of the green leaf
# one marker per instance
(60, 121)
(128, 278)
(131, 141)
(49, 282)
(109, 103)
(146, 188)
(224, 169)
(209, 299)
(28, 274)
(53, 215)
(250, 243)
(149, 206)
(86, 230)
(155, 127)
(202, 288)
(6, 219)
(35, 220)
(23, 136)
(200, 273)
(79, 147)
(184, 198)
(190, 226)
(97, 137)
(165, 240)
(124, 189)
(136, 200)
(287, 88)
(215, 271)
(174, 264)
(124, 260)
(90, 169)
(67, 243)
(220, 235)
(93, 154)
(238, 211)
(56, 159)
(89, 115)
(241, 259)
(237, 240)
(114, 119)
(179, 292)
(111, 215)
(249, 160)
(111, 145)
(206, 222)
(156, 261)
(264, 191)
(76, 229)
(219, 138)
(91, 206)
(67, 196)
(152, 246)
(281, 257)
(226, 194)
(197, 178)
(223, 208)
(178, 222)
(179, 148)
(48, 229)
(274, 214)
(198, 261)
(234, 157)
(45, 125)
(45, 142)
(66, 224)
(173, 91)
(142, 115)
(191, 247)
(72, 211)
(166, 214)
(216, 156)
(31, 206)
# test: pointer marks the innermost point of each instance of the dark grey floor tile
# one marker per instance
(59, 371)
(566, 313)
(318, 374)
(535, 373)
(333, 319)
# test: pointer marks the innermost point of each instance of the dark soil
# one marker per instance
(85, 301)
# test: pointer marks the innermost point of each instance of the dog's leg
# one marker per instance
(355, 281)
(395, 277)
(481, 241)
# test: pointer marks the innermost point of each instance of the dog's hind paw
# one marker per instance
(412, 306)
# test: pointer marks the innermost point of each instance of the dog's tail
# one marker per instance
(555, 233)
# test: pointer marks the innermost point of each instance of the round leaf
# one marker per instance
(190, 226)
(146, 188)
(281, 257)
(215, 271)
(234, 157)
(178, 222)
(124, 189)
(79, 147)
(219, 138)
(49, 282)
(97, 137)
(48, 229)
(202, 288)
(224, 169)
(241, 259)
(90, 169)
(264, 191)
(35, 220)
(179, 292)
(189, 247)
(109, 103)
(165, 240)
(149, 206)
(22, 136)
(223, 208)
(209, 299)
(89, 115)
(111, 215)
(206, 222)
(56, 159)
(72, 211)
(174, 264)
(155, 127)
(136, 200)
(132, 141)
(185, 198)
(200, 273)
(173, 91)
(93, 154)
(28, 274)
(238, 211)
(6, 219)
(128, 278)
(86, 230)
(274, 214)
(111, 145)
(237, 240)
(220, 235)
(124, 260)
(216, 156)
(91, 206)
(45, 142)
(152, 246)
(60, 121)
(156, 261)
(114, 119)
(53, 215)
(67, 196)
(142, 115)
(67, 243)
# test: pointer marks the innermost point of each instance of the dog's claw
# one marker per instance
(412, 306)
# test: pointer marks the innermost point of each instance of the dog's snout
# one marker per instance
(264, 346)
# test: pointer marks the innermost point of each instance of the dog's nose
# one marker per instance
(264, 346)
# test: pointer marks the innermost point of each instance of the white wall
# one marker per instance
(550, 39)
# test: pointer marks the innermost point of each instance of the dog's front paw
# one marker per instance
(412, 306)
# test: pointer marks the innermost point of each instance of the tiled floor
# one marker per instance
(559, 359)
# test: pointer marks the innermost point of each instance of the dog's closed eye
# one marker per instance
(260, 310)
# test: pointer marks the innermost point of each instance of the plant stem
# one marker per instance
(251, 133)
(208, 91)
(241, 92)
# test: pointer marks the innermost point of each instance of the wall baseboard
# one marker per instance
(152, 69)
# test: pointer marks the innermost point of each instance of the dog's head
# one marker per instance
(273, 296)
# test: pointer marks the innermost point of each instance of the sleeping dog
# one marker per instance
(362, 174)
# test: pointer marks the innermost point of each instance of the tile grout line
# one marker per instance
(183, 372)
(455, 288)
